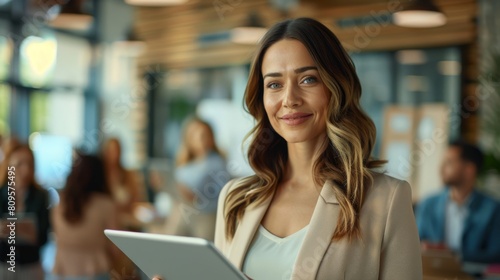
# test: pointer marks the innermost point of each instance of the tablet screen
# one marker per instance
(174, 257)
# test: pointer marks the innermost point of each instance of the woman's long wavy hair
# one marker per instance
(87, 177)
(346, 152)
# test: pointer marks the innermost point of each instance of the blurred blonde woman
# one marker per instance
(200, 175)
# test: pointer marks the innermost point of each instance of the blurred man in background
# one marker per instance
(460, 218)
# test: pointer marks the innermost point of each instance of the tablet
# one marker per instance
(174, 257)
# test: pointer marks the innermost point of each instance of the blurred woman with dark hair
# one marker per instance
(31, 210)
(85, 210)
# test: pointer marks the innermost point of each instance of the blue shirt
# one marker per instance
(206, 178)
(456, 214)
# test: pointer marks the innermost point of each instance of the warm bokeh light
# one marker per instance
(419, 19)
(38, 59)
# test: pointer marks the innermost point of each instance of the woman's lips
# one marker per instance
(295, 118)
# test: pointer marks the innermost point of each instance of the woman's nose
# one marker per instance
(291, 98)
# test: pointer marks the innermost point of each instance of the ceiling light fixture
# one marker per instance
(251, 32)
(155, 3)
(72, 17)
(419, 14)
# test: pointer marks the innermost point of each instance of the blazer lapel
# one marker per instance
(245, 232)
(319, 235)
(441, 214)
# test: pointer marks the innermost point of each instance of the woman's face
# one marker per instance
(22, 161)
(295, 98)
(200, 139)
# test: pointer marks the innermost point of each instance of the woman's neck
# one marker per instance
(301, 159)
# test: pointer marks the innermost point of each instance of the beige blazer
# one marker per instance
(389, 249)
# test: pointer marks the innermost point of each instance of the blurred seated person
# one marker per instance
(200, 175)
(460, 218)
(124, 185)
(32, 213)
(85, 210)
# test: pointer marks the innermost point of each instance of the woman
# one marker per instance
(200, 175)
(125, 186)
(126, 190)
(32, 213)
(315, 209)
(85, 211)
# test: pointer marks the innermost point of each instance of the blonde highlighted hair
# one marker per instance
(345, 153)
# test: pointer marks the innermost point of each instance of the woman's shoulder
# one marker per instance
(386, 185)
(102, 199)
(384, 180)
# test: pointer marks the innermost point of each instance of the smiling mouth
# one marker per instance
(295, 119)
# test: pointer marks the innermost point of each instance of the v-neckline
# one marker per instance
(278, 239)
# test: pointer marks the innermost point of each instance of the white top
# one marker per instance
(271, 257)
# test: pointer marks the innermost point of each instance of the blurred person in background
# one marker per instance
(86, 209)
(7, 144)
(127, 191)
(460, 218)
(32, 212)
(124, 185)
(200, 174)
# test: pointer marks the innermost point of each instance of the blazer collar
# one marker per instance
(319, 235)
(245, 232)
(316, 242)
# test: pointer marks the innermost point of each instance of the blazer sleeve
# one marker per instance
(401, 256)
(220, 223)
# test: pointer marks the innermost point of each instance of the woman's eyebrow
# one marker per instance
(297, 71)
(304, 69)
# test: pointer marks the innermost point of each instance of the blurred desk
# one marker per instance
(445, 265)
(442, 264)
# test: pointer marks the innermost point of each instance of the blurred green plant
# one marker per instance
(490, 87)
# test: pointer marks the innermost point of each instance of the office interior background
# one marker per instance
(74, 73)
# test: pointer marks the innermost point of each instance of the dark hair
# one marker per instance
(86, 178)
(469, 153)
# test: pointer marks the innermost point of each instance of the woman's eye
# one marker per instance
(273, 85)
(309, 80)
